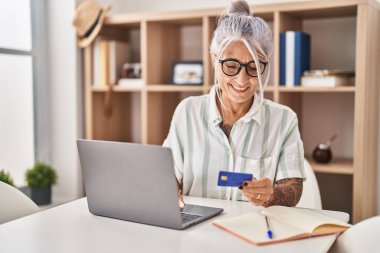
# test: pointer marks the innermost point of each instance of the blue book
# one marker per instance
(294, 57)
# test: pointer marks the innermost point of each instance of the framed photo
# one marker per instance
(187, 73)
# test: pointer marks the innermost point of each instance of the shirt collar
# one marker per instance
(254, 112)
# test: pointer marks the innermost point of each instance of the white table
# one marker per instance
(71, 228)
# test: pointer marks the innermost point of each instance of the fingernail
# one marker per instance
(240, 187)
(245, 183)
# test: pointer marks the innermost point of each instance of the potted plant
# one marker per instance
(40, 178)
(6, 178)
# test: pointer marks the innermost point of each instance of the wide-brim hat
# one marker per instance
(88, 20)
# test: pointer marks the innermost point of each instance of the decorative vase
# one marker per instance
(322, 152)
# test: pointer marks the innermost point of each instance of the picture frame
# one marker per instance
(187, 73)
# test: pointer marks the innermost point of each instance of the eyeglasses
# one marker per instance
(232, 67)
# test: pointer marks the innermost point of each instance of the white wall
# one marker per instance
(65, 98)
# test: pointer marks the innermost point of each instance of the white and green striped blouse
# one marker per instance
(265, 138)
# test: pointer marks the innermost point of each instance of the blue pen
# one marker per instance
(269, 232)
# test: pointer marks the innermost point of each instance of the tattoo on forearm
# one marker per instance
(287, 192)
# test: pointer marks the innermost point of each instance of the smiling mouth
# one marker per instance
(239, 89)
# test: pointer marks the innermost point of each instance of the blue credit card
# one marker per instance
(227, 178)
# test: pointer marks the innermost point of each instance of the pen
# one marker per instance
(269, 231)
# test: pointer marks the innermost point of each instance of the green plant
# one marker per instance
(41, 175)
(6, 177)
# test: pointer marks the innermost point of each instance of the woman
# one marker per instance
(234, 128)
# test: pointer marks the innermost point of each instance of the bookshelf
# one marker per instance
(143, 114)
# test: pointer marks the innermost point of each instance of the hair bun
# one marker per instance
(238, 8)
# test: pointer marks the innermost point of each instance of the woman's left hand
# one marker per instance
(258, 191)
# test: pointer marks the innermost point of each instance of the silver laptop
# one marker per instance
(135, 182)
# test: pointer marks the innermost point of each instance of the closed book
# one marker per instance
(326, 81)
(286, 224)
(294, 57)
(131, 82)
(104, 60)
(95, 72)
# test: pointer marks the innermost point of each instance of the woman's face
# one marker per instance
(240, 88)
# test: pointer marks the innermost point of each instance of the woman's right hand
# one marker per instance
(181, 203)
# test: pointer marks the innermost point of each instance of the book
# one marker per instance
(326, 81)
(103, 64)
(131, 82)
(286, 224)
(95, 72)
(329, 72)
(294, 57)
(108, 59)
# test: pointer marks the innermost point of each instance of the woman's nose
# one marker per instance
(243, 76)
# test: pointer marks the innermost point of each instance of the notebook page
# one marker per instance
(252, 227)
(306, 220)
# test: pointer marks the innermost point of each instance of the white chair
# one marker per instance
(311, 197)
(14, 203)
(362, 237)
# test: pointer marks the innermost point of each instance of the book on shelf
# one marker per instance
(131, 82)
(108, 59)
(326, 81)
(286, 224)
(328, 78)
(294, 57)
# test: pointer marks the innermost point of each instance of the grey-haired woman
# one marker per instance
(233, 128)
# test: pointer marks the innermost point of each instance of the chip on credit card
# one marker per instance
(235, 179)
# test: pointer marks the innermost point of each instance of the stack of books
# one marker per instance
(328, 78)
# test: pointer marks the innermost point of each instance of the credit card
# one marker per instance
(235, 179)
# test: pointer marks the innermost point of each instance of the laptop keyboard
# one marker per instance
(186, 217)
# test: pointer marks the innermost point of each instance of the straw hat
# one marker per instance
(88, 21)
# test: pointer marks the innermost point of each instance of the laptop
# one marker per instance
(137, 183)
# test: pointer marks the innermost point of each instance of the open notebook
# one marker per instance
(286, 223)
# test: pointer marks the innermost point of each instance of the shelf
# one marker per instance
(317, 12)
(103, 88)
(336, 166)
(317, 89)
(174, 88)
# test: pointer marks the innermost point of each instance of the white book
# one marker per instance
(131, 82)
(326, 81)
(290, 60)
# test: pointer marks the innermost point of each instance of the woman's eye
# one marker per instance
(232, 66)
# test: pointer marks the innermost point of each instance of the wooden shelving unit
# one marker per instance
(143, 114)
(336, 166)
(317, 89)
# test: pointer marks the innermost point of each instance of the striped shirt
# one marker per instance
(265, 138)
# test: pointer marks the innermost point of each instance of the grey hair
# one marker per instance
(236, 24)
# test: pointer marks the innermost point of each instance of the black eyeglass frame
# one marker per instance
(241, 65)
